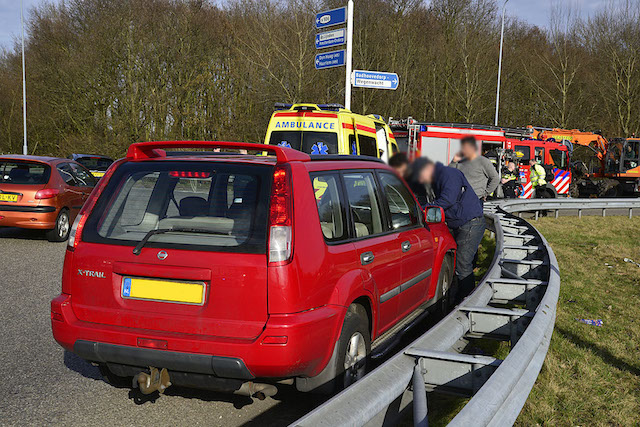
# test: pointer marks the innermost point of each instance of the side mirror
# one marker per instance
(434, 215)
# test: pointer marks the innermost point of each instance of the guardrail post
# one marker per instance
(557, 212)
(579, 213)
(420, 410)
(604, 212)
(630, 213)
(537, 213)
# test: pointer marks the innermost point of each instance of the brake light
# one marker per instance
(47, 193)
(281, 217)
(76, 231)
(189, 174)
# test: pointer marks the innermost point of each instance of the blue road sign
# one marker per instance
(331, 17)
(375, 80)
(330, 59)
(331, 38)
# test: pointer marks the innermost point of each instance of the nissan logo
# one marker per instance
(162, 255)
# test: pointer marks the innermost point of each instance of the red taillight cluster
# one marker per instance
(47, 193)
(75, 234)
(189, 174)
(281, 217)
(280, 211)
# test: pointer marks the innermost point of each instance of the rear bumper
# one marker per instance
(289, 346)
(35, 217)
(224, 367)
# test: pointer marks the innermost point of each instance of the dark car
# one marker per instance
(96, 163)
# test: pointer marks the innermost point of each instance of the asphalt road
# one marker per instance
(41, 384)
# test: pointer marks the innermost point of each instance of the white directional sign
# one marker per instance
(375, 80)
(331, 38)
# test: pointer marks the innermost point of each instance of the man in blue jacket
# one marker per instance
(462, 210)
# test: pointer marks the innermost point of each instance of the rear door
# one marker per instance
(378, 249)
(205, 273)
(415, 240)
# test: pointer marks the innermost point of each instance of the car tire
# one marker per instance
(349, 359)
(63, 226)
(445, 283)
(354, 347)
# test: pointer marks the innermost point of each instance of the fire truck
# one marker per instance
(441, 141)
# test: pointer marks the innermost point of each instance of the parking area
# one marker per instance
(42, 384)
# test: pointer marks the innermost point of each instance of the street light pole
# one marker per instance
(25, 151)
(504, 6)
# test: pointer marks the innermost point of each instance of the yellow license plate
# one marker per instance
(8, 197)
(163, 290)
(97, 174)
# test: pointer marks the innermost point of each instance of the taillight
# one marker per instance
(75, 235)
(47, 193)
(76, 231)
(281, 217)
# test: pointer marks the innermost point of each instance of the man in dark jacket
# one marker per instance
(463, 215)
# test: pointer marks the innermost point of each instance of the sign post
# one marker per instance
(347, 85)
(375, 80)
(338, 58)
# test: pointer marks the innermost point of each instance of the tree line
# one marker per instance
(102, 74)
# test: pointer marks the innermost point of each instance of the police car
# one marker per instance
(330, 129)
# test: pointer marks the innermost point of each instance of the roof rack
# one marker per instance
(344, 157)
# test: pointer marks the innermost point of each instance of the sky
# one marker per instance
(536, 12)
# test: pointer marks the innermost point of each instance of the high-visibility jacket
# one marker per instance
(538, 176)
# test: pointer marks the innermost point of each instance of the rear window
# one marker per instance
(95, 163)
(198, 205)
(308, 142)
(25, 173)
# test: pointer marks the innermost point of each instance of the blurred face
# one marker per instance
(401, 169)
(468, 151)
(426, 174)
(511, 166)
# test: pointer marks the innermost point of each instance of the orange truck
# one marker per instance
(618, 173)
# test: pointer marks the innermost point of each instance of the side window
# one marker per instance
(540, 154)
(353, 148)
(402, 206)
(363, 203)
(330, 209)
(368, 146)
(523, 152)
(83, 176)
(66, 173)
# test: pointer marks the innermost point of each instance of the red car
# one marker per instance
(42, 193)
(234, 272)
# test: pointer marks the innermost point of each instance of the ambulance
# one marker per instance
(330, 129)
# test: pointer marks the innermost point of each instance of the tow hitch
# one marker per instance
(155, 380)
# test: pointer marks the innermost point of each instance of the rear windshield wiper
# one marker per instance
(151, 233)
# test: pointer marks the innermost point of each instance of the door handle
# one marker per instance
(366, 258)
(406, 246)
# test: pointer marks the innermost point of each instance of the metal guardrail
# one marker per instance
(516, 302)
(577, 205)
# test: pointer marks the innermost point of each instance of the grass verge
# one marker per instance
(591, 375)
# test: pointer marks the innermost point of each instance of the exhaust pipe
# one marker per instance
(258, 390)
(154, 381)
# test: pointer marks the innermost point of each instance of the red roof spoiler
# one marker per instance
(150, 150)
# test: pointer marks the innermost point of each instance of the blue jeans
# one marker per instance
(468, 238)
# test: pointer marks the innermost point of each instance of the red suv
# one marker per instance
(233, 272)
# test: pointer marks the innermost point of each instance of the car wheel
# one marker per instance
(63, 226)
(354, 346)
(445, 281)
(349, 359)
(113, 379)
